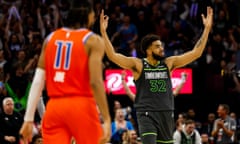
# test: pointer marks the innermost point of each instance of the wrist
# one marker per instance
(208, 28)
(28, 119)
(104, 33)
(107, 120)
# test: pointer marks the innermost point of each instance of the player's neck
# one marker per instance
(152, 61)
(77, 26)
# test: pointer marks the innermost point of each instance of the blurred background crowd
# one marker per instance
(216, 75)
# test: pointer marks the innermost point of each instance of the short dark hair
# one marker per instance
(147, 41)
(78, 13)
(225, 107)
(189, 121)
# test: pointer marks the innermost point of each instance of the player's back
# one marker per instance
(66, 63)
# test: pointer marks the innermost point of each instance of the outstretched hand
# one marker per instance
(208, 20)
(103, 22)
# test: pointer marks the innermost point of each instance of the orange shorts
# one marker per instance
(71, 117)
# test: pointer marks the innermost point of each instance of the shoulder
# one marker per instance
(113, 123)
(94, 39)
(177, 134)
(128, 122)
(169, 61)
(216, 120)
(231, 120)
(196, 132)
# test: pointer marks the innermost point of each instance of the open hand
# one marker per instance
(208, 20)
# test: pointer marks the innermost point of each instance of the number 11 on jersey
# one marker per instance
(62, 59)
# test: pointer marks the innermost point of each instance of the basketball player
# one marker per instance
(154, 102)
(70, 63)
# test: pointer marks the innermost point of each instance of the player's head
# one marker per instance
(81, 14)
(152, 46)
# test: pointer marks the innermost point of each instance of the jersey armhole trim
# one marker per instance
(85, 38)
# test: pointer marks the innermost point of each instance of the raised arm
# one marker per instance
(180, 86)
(188, 57)
(128, 91)
(96, 52)
(119, 59)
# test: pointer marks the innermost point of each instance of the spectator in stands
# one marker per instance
(119, 125)
(10, 123)
(188, 134)
(205, 138)
(127, 33)
(224, 126)
(207, 126)
(130, 137)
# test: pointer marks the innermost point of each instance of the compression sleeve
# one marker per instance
(34, 94)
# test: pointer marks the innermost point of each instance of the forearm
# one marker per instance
(214, 132)
(177, 89)
(201, 43)
(228, 132)
(34, 94)
(100, 97)
(28, 66)
(20, 29)
(109, 49)
(39, 18)
(56, 19)
(188, 57)
(129, 93)
(41, 107)
(235, 79)
(135, 38)
(6, 31)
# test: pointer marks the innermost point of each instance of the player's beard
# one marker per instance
(158, 57)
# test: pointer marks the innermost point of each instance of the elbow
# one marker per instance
(95, 84)
(197, 53)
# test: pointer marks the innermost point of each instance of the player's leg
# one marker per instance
(147, 129)
(58, 135)
(165, 125)
(85, 126)
(53, 128)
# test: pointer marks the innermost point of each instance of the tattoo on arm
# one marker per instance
(199, 42)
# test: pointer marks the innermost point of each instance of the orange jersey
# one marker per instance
(66, 63)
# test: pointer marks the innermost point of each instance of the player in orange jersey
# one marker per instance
(70, 63)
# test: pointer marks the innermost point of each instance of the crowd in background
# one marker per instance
(25, 23)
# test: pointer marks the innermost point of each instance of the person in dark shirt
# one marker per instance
(154, 102)
(10, 123)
